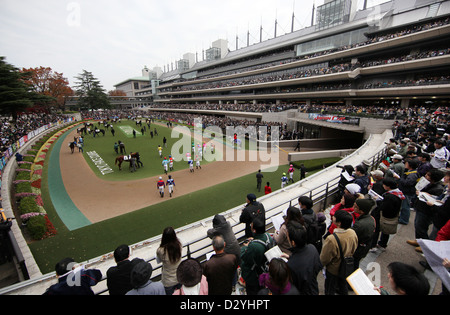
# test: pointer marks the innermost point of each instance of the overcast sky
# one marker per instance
(115, 39)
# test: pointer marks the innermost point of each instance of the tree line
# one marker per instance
(41, 89)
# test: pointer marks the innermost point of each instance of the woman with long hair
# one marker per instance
(169, 254)
(281, 237)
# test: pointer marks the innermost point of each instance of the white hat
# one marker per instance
(397, 157)
(378, 173)
(353, 188)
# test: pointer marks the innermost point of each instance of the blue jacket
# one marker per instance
(78, 283)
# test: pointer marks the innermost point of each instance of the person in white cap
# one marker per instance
(353, 189)
(397, 167)
(377, 181)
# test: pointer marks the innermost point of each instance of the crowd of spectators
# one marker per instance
(246, 107)
(375, 38)
(414, 176)
(316, 70)
(270, 77)
(419, 149)
(420, 81)
(360, 223)
(434, 118)
(11, 131)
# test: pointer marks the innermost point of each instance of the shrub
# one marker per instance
(28, 204)
(25, 165)
(23, 187)
(23, 176)
(28, 158)
(37, 227)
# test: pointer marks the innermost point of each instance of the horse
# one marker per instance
(98, 131)
(127, 158)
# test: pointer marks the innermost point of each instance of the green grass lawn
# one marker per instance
(103, 237)
(146, 145)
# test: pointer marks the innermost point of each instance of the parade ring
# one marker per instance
(81, 198)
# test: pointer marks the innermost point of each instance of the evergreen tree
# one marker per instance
(15, 95)
(91, 93)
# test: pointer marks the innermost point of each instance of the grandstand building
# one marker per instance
(396, 53)
(393, 55)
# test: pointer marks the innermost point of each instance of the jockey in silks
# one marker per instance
(161, 185)
(165, 164)
(160, 151)
(170, 184)
(170, 163)
(291, 173)
(284, 181)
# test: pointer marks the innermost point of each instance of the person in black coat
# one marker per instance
(119, 277)
(73, 280)
(252, 210)
(389, 208)
(222, 227)
(441, 213)
(362, 179)
(424, 212)
(364, 228)
(304, 263)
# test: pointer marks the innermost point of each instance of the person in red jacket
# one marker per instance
(346, 204)
(444, 233)
(268, 189)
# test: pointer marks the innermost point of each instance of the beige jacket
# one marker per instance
(330, 255)
(169, 269)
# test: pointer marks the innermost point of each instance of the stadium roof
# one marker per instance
(142, 79)
(390, 15)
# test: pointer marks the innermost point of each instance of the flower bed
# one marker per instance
(28, 188)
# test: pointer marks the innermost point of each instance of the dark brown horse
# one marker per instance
(127, 158)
